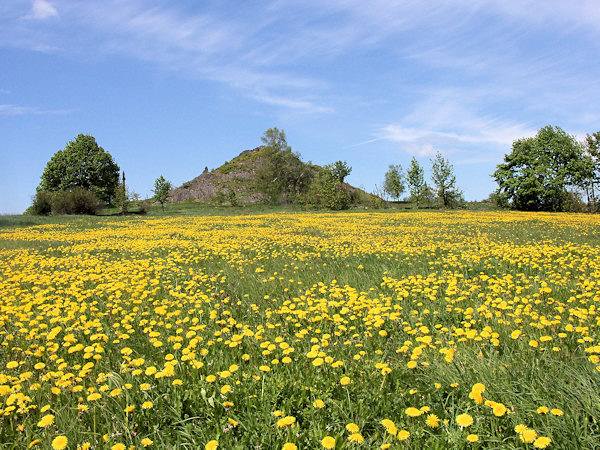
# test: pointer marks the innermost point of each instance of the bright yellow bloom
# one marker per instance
(403, 435)
(464, 420)
(289, 446)
(356, 437)
(542, 442)
(60, 443)
(286, 421)
(432, 421)
(390, 426)
(118, 446)
(499, 409)
(556, 412)
(45, 421)
(413, 412)
(345, 381)
(528, 435)
(328, 442)
(318, 403)
(211, 445)
(352, 427)
(147, 405)
(146, 442)
(472, 438)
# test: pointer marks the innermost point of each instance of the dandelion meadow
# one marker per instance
(302, 330)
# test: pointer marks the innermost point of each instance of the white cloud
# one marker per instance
(42, 9)
(16, 110)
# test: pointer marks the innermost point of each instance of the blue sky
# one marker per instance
(171, 87)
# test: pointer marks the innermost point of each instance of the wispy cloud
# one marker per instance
(16, 110)
(42, 10)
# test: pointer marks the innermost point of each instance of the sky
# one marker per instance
(168, 88)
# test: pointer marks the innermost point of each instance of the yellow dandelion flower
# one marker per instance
(352, 427)
(289, 446)
(328, 442)
(318, 403)
(390, 426)
(345, 381)
(147, 405)
(556, 412)
(146, 442)
(211, 445)
(432, 421)
(528, 435)
(499, 409)
(356, 437)
(60, 443)
(45, 421)
(403, 435)
(118, 446)
(472, 438)
(542, 442)
(464, 420)
(413, 412)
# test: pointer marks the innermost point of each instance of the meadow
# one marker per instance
(301, 330)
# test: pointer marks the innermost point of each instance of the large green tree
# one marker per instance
(541, 172)
(84, 164)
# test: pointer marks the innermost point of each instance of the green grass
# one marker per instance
(116, 284)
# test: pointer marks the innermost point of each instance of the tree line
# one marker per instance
(551, 171)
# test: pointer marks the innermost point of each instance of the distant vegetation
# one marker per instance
(548, 172)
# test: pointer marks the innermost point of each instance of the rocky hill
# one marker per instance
(236, 178)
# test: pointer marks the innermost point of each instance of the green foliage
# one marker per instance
(41, 205)
(233, 199)
(327, 192)
(75, 201)
(282, 175)
(540, 172)
(591, 184)
(339, 170)
(124, 196)
(161, 190)
(82, 163)
(444, 181)
(393, 184)
(415, 179)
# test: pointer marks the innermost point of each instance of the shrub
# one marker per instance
(75, 201)
(42, 204)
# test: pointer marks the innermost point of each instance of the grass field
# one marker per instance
(316, 330)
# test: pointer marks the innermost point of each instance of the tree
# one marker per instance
(82, 163)
(415, 178)
(444, 180)
(339, 170)
(393, 184)
(282, 173)
(326, 191)
(538, 173)
(592, 181)
(161, 190)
